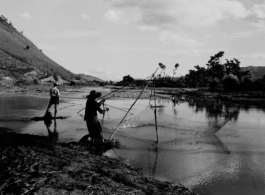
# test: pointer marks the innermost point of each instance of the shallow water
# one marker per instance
(229, 162)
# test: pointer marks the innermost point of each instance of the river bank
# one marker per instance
(33, 164)
(248, 98)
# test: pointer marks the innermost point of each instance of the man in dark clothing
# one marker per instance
(93, 124)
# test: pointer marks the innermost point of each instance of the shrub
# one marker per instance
(246, 84)
(215, 84)
(230, 82)
(35, 82)
(180, 83)
(72, 83)
(55, 77)
(259, 84)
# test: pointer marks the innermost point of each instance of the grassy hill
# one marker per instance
(255, 71)
(89, 78)
(22, 61)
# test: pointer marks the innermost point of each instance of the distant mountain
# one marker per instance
(89, 78)
(255, 71)
(21, 61)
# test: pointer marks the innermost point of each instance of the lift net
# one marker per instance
(142, 127)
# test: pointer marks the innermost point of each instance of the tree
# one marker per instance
(233, 67)
(214, 74)
(197, 77)
(230, 82)
(215, 84)
(162, 65)
(128, 79)
(214, 66)
(175, 69)
(110, 82)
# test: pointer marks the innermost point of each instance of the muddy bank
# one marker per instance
(31, 164)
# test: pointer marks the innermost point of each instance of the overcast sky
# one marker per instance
(113, 38)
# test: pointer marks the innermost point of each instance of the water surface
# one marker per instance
(229, 162)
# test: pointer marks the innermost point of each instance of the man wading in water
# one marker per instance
(93, 125)
(55, 96)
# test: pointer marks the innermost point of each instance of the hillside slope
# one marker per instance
(22, 61)
(89, 78)
(255, 71)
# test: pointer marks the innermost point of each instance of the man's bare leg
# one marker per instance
(55, 110)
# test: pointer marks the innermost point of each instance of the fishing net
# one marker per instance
(141, 131)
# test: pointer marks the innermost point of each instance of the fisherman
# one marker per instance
(54, 100)
(93, 125)
(174, 99)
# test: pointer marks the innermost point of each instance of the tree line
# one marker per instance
(215, 76)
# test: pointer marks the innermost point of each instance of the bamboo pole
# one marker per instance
(107, 95)
(131, 106)
(155, 112)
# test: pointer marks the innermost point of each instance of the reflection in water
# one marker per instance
(215, 109)
(53, 135)
(13, 109)
(211, 141)
(177, 160)
(155, 163)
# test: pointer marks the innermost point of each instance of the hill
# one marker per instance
(89, 78)
(21, 61)
(255, 71)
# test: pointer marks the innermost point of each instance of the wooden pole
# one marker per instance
(104, 110)
(155, 112)
(131, 107)
(107, 95)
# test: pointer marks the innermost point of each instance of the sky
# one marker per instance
(110, 39)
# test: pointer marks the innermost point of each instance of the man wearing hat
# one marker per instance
(54, 100)
(93, 124)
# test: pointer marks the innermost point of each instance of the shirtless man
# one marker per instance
(55, 97)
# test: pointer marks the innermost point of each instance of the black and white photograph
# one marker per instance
(132, 97)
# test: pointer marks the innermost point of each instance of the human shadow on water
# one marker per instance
(47, 116)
